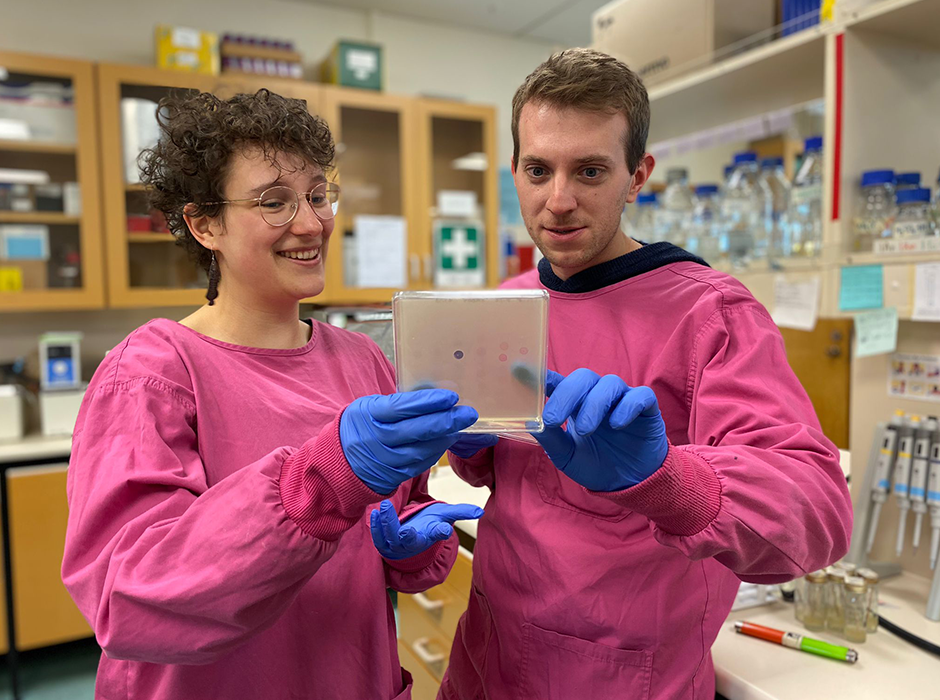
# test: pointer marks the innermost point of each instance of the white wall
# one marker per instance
(421, 57)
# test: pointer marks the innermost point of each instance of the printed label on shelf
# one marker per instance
(921, 244)
(911, 229)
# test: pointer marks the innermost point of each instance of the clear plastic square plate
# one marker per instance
(489, 347)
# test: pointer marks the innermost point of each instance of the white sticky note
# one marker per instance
(796, 304)
(456, 203)
(927, 292)
(381, 249)
(876, 332)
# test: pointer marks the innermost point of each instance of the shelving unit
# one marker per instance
(374, 134)
(393, 153)
(449, 132)
(73, 240)
(875, 70)
(139, 273)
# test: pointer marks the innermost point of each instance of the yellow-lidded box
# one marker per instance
(191, 50)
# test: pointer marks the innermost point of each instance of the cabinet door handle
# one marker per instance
(432, 607)
(433, 660)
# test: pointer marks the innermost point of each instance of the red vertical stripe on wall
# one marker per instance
(837, 146)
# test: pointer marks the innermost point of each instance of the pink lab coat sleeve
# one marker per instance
(430, 568)
(169, 570)
(476, 470)
(758, 487)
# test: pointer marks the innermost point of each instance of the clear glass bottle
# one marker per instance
(935, 208)
(835, 599)
(907, 181)
(776, 199)
(815, 589)
(875, 211)
(647, 225)
(804, 217)
(741, 208)
(676, 207)
(855, 606)
(704, 237)
(871, 580)
(913, 219)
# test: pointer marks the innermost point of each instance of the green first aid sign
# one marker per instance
(460, 248)
(459, 253)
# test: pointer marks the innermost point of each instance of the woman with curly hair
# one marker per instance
(222, 538)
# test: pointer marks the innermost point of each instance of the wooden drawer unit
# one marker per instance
(426, 683)
(427, 623)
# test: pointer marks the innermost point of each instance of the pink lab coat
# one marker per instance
(580, 595)
(218, 542)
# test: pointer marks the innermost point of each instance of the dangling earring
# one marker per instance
(212, 293)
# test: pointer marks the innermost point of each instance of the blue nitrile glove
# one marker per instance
(615, 436)
(420, 531)
(468, 444)
(390, 439)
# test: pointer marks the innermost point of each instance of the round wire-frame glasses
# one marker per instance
(279, 204)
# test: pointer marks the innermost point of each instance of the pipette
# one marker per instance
(919, 472)
(902, 472)
(881, 482)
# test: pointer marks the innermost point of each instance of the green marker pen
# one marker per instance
(797, 641)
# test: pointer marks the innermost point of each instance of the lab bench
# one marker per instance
(37, 610)
(745, 668)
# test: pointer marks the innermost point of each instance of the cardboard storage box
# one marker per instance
(663, 38)
(354, 64)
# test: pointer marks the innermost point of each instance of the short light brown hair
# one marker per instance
(593, 81)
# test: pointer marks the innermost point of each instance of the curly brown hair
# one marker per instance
(199, 134)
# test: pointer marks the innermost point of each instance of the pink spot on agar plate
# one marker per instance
(503, 358)
(523, 351)
(504, 346)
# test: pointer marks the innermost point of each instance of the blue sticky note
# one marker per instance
(862, 288)
(876, 332)
(509, 214)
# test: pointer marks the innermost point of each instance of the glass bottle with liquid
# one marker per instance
(835, 599)
(875, 210)
(815, 588)
(855, 609)
(871, 581)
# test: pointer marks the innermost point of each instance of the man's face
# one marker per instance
(573, 182)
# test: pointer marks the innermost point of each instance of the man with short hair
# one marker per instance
(680, 454)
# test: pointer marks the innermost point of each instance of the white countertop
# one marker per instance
(888, 667)
(35, 447)
(751, 669)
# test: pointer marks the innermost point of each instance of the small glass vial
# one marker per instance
(855, 609)
(815, 588)
(871, 581)
(835, 589)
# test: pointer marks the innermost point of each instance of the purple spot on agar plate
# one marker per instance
(459, 354)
